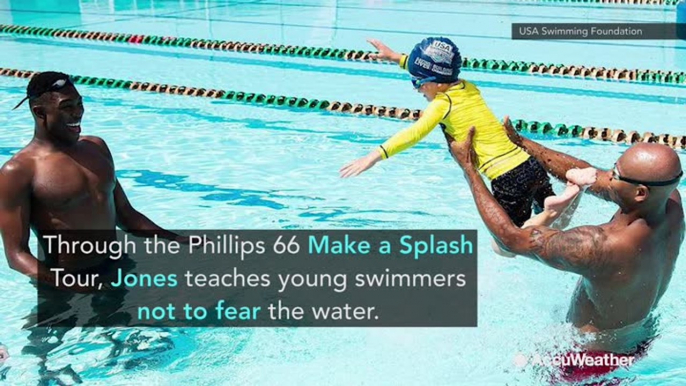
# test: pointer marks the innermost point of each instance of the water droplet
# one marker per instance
(520, 360)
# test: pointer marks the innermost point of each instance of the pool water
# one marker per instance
(194, 163)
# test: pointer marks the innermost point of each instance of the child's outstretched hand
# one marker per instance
(385, 53)
(360, 165)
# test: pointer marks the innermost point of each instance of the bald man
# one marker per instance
(625, 265)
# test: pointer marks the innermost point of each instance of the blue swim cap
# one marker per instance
(435, 57)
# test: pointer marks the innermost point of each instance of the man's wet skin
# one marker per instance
(646, 234)
(626, 264)
(73, 183)
(63, 181)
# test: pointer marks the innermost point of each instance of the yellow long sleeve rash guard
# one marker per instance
(456, 110)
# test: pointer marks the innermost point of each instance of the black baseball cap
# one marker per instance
(45, 82)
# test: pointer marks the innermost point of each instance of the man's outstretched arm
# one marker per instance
(557, 163)
(136, 223)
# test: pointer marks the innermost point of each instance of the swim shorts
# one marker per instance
(522, 189)
(600, 364)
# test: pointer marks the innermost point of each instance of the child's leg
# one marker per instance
(500, 251)
(558, 204)
(514, 192)
(544, 218)
(560, 207)
(557, 207)
(567, 213)
(519, 209)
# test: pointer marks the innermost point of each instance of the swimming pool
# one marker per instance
(192, 163)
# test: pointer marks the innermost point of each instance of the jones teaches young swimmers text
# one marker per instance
(270, 278)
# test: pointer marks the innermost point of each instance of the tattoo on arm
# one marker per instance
(580, 250)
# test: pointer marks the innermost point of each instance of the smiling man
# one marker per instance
(624, 265)
(61, 181)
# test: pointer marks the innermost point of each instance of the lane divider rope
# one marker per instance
(488, 65)
(560, 130)
(635, 2)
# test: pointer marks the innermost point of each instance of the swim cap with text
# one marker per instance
(435, 57)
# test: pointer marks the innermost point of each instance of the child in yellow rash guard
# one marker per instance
(518, 181)
(456, 110)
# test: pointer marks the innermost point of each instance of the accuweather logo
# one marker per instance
(573, 359)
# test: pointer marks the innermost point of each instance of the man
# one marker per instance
(61, 181)
(625, 265)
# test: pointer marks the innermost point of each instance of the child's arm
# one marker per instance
(432, 116)
(437, 110)
(385, 53)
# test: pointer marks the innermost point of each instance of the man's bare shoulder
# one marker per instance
(18, 172)
(626, 240)
(22, 163)
(99, 142)
(94, 139)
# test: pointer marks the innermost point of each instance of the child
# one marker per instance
(518, 181)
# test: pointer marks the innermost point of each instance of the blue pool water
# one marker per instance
(193, 163)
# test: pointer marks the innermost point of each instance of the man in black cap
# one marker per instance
(61, 181)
